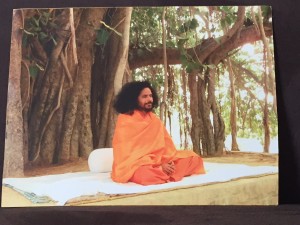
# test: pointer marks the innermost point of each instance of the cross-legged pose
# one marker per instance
(143, 150)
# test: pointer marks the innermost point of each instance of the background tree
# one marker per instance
(75, 60)
(58, 109)
(14, 155)
(201, 57)
(233, 117)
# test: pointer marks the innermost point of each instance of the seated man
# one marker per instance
(143, 150)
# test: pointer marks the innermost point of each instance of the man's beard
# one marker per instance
(146, 109)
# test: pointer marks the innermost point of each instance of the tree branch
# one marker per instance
(242, 82)
(251, 74)
(140, 57)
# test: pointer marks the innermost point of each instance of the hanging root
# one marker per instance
(49, 118)
(255, 21)
(73, 37)
(28, 91)
(65, 66)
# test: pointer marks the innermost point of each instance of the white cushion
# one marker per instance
(101, 160)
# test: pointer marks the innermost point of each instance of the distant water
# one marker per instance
(252, 145)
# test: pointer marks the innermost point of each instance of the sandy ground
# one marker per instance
(254, 159)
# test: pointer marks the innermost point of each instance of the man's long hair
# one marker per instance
(126, 100)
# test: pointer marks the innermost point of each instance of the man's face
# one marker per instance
(145, 100)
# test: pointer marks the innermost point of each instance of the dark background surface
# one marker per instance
(286, 22)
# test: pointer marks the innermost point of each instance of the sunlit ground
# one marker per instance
(252, 145)
(245, 144)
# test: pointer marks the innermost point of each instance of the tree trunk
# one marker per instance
(14, 158)
(207, 136)
(266, 125)
(26, 88)
(266, 117)
(218, 123)
(60, 127)
(269, 59)
(163, 104)
(80, 136)
(267, 138)
(233, 126)
(267, 74)
(46, 102)
(207, 139)
(113, 67)
(197, 127)
(186, 127)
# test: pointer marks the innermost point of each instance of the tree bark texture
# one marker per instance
(14, 156)
(185, 119)
(269, 59)
(197, 124)
(268, 73)
(108, 75)
(59, 124)
(218, 123)
(163, 104)
(233, 126)
(210, 133)
(46, 102)
(77, 140)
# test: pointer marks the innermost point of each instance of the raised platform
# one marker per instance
(258, 190)
(261, 190)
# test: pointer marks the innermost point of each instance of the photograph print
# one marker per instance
(172, 105)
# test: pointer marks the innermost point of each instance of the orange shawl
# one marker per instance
(141, 141)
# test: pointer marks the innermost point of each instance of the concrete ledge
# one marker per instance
(261, 190)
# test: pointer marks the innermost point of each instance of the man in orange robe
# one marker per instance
(143, 150)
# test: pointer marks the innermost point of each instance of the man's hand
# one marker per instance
(168, 168)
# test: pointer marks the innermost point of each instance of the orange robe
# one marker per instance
(140, 142)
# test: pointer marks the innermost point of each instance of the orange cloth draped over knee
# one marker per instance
(140, 141)
(149, 174)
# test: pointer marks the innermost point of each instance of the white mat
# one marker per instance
(64, 187)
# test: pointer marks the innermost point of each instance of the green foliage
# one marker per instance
(188, 26)
(266, 11)
(41, 25)
(24, 40)
(228, 16)
(181, 42)
(189, 64)
(34, 70)
(146, 27)
(102, 36)
(170, 44)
